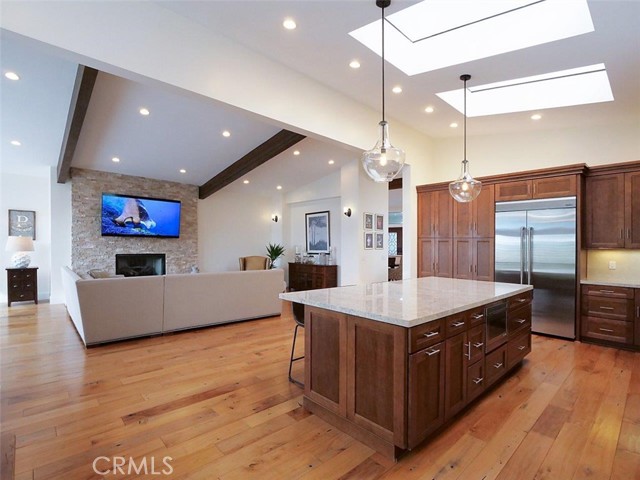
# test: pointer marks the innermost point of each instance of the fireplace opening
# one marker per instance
(140, 264)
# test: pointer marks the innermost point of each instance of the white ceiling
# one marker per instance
(183, 130)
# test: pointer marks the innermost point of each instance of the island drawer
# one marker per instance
(475, 345)
(476, 316)
(519, 319)
(607, 291)
(610, 330)
(475, 380)
(518, 348)
(496, 364)
(426, 335)
(454, 324)
(605, 307)
(520, 300)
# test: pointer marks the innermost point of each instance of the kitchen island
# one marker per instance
(389, 363)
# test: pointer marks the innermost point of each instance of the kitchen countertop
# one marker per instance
(407, 303)
(609, 283)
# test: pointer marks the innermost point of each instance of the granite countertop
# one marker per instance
(609, 283)
(407, 302)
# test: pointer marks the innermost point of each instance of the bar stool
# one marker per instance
(298, 316)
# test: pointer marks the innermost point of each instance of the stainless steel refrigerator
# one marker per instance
(536, 245)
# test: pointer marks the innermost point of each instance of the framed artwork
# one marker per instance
(317, 232)
(379, 241)
(368, 221)
(379, 222)
(368, 240)
(22, 223)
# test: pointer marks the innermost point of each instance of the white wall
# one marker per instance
(495, 154)
(231, 226)
(26, 192)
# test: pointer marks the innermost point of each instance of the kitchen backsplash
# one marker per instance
(627, 263)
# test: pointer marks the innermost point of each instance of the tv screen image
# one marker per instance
(128, 216)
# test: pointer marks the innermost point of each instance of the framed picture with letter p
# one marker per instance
(317, 232)
(22, 223)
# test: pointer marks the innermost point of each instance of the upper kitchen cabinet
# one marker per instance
(613, 210)
(435, 214)
(546, 187)
(475, 219)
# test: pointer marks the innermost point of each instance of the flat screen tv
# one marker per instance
(127, 216)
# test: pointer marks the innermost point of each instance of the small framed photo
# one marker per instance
(379, 241)
(22, 223)
(379, 222)
(317, 232)
(368, 240)
(368, 221)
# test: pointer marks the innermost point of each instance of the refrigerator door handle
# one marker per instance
(529, 254)
(522, 250)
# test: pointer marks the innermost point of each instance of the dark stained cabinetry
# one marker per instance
(613, 211)
(435, 257)
(22, 285)
(546, 187)
(305, 276)
(610, 315)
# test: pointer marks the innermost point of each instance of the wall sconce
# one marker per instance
(274, 217)
(347, 211)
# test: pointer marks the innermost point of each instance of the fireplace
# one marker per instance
(140, 264)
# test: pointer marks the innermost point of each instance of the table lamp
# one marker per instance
(20, 245)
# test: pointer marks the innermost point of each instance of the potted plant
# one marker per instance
(274, 252)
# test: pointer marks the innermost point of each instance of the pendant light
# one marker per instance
(465, 188)
(384, 161)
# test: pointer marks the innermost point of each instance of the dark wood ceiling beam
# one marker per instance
(82, 90)
(262, 153)
(395, 184)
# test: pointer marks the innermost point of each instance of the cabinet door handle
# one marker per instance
(522, 300)
(622, 234)
(607, 291)
(478, 345)
(498, 365)
(522, 347)
(521, 321)
(433, 267)
(477, 381)
(432, 352)
(607, 330)
(475, 268)
(628, 233)
(457, 324)
(605, 308)
(470, 268)
(430, 334)
(638, 312)
(468, 354)
(477, 316)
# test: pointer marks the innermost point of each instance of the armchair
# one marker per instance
(255, 262)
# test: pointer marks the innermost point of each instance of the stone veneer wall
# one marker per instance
(89, 249)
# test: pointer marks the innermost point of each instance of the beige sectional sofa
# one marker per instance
(109, 309)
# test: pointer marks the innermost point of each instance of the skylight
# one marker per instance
(435, 34)
(577, 86)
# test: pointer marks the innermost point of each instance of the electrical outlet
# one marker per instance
(612, 265)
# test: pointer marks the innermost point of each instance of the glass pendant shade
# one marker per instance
(384, 161)
(465, 188)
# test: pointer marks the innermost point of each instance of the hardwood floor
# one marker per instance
(218, 403)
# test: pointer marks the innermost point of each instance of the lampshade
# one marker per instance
(384, 161)
(465, 188)
(19, 244)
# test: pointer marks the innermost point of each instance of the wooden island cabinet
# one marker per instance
(391, 379)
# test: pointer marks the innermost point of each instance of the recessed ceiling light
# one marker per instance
(432, 35)
(12, 76)
(576, 86)
(144, 111)
(182, 170)
(429, 109)
(279, 187)
(289, 24)
(354, 64)
(226, 133)
(331, 162)
(536, 116)
(397, 89)
(296, 152)
(245, 181)
(453, 125)
(16, 143)
(115, 159)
